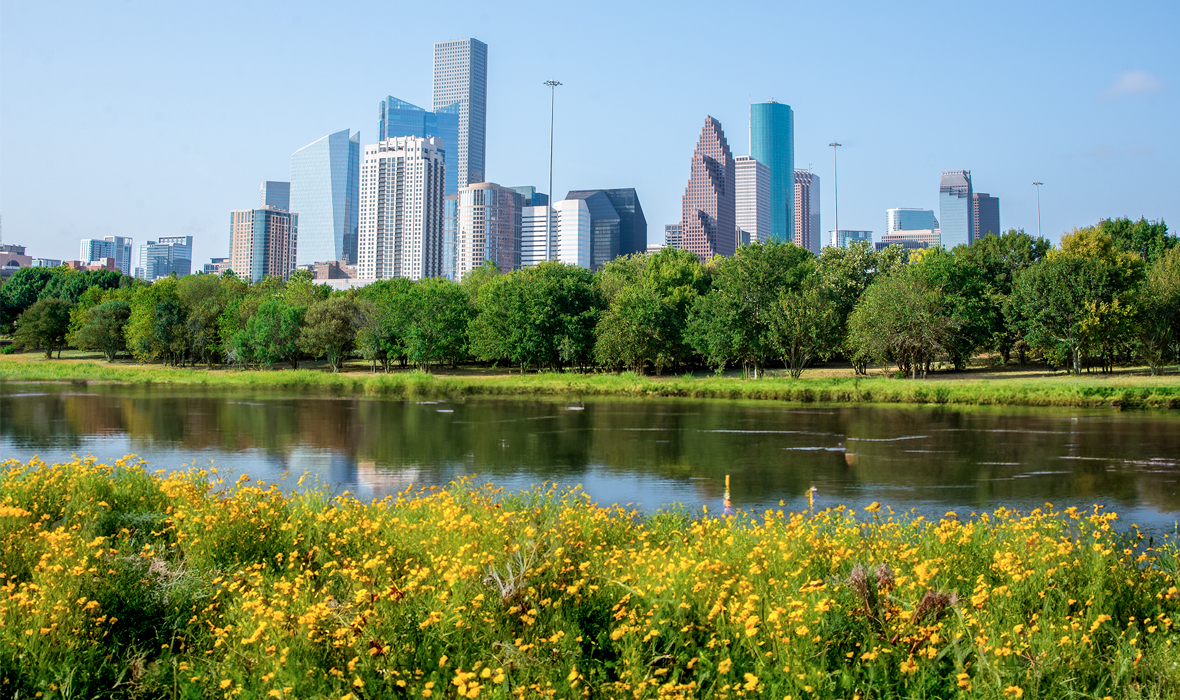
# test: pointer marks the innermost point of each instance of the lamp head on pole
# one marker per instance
(834, 144)
(1038, 183)
(551, 83)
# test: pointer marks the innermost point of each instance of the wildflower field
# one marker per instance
(122, 582)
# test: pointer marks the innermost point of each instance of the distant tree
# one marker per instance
(70, 285)
(1147, 239)
(156, 330)
(438, 331)
(474, 280)
(102, 328)
(387, 308)
(1158, 322)
(22, 291)
(901, 319)
(965, 294)
(1000, 259)
(845, 273)
(630, 333)
(44, 325)
(330, 329)
(804, 327)
(272, 335)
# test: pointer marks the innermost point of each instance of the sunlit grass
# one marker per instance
(118, 581)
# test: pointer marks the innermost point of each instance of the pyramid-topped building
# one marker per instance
(708, 223)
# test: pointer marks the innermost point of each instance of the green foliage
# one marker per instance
(1149, 240)
(902, 319)
(22, 291)
(157, 329)
(804, 327)
(437, 333)
(387, 312)
(271, 335)
(1158, 322)
(72, 284)
(330, 329)
(631, 331)
(974, 312)
(845, 273)
(1000, 259)
(102, 328)
(44, 325)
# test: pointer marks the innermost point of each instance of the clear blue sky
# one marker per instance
(157, 118)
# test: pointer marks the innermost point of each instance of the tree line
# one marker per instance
(1109, 294)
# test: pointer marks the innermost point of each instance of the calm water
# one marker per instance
(651, 454)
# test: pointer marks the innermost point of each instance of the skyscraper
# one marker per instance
(532, 198)
(708, 218)
(672, 236)
(844, 237)
(572, 217)
(772, 141)
(752, 198)
(956, 208)
(262, 242)
(162, 258)
(534, 220)
(987, 214)
(619, 226)
(488, 228)
(401, 212)
(324, 192)
(903, 219)
(275, 194)
(461, 78)
(807, 221)
(400, 118)
(115, 247)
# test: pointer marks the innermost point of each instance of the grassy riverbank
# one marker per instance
(120, 582)
(980, 387)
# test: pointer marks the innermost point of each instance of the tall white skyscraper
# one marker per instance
(487, 228)
(461, 77)
(402, 184)
(533, 246)
(573, 232)
(752, 193)
(807, 227)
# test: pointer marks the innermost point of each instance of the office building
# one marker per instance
(535, 245)
(324, 193)
(845, 237)
(400, 118)
(903, 219)
(987, 214)
(808, 233)
(216, 266)
(43, 262)
(262, 243)
(772, 141)
(169, 255)
(956, 208)
(672, 237)
(487, 228)
(461, 78)
(911, 240)
(274, 194)
(708, 223)
(450, 236)
(532, 198)
(574, 231)
(619, 226)
(401, 212)
(115, 247)
(13, 258)
(751, 199)
(653, 248)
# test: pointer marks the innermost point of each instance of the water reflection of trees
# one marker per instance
(770, 450)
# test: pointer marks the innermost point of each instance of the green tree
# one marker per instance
(156, 330)
(1147, 239)
(1001, 258)
(845, 273)
(438, 332)
(70, 285)
(272, 335)
(972, 309)
(330, 329)
(44, 325)
(901, 319)
(102, 328)
(804, 327)
(22, 291)
(735, 325)
(630, 333)
(1158, 322)
(387, 308)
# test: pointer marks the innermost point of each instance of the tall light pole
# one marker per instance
(552, 85)
(1038, 184)
(835, 195)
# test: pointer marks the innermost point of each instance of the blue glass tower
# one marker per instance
(772, 142)
(400, 118)
(956, 208)
(325, 192)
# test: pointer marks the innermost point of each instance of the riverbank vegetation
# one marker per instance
(1108, 296)
(122, 582)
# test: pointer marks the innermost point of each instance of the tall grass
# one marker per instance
(1051, 391)
(118, 582)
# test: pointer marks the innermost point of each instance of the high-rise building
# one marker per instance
(708, 223)
(274, 194)
(751, 199)
(672, 236)
(619, 226)
(115, 247)
(987, 214)
(903, 219)
(911, 239)
(535, 245)
(450, 236)
(461, 78)
(844, 237)
(324, 193)
(216, 266)
(772, 141)
(808, 233)
(170, 254)
(956, 208)
(488, 228)
(574, 226)
(532, 198)
(262, 243)
(400, 118)
(401, 212)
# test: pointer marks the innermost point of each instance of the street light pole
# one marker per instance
(835, 195)
(1038, 184)
(552, 85)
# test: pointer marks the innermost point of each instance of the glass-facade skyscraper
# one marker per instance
(116, 247)
(163, 257)
(275, 194)
(400, 118)
(772, 141)
(956, 208)
(325, 190)
(987, 214)
(903, 219)
(807, 218)
(617, 223)
(461, 78)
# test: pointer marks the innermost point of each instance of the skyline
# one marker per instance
(1093, 128)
